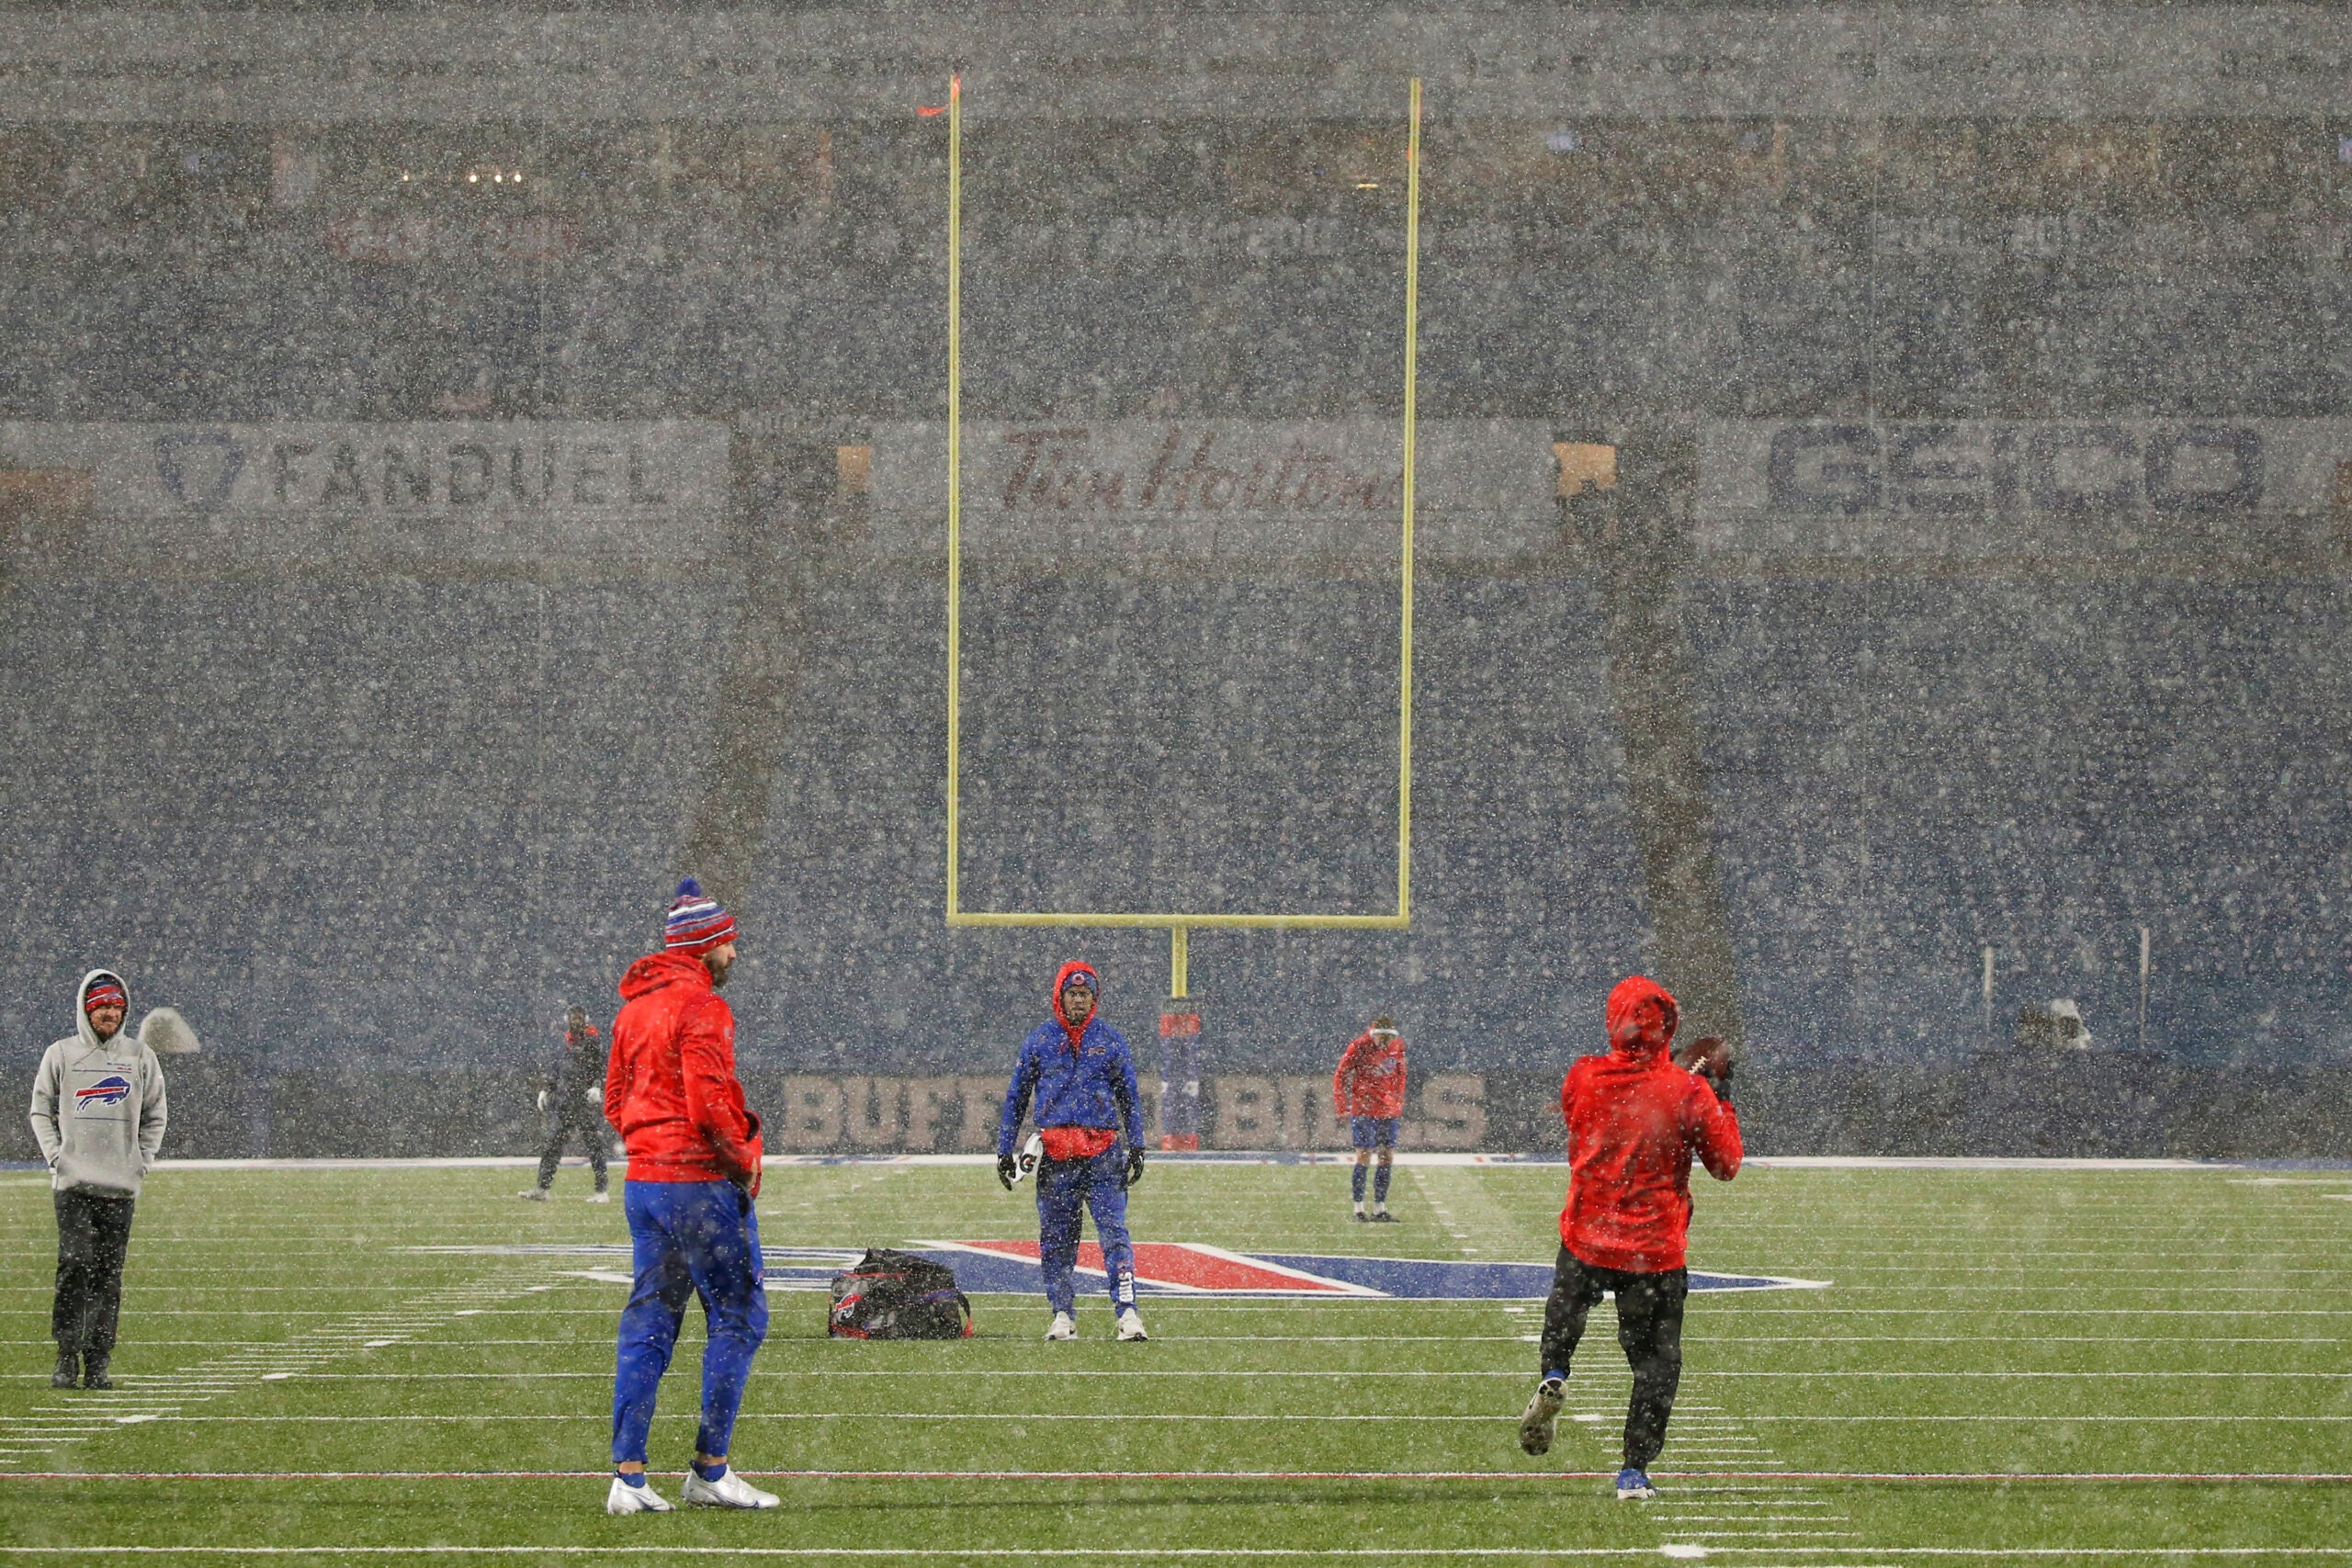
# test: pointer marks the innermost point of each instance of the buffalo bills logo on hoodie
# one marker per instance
(112, 1089)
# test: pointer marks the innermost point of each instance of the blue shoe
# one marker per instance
(1632, 1486)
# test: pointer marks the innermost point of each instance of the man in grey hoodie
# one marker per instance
(98, 1111)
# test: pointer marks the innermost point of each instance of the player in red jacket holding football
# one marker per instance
(1635, 1120)
(1368, 1093)
(693, 1169)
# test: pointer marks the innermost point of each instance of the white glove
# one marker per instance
(543, 1099)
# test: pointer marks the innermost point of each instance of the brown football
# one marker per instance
(1707, 1055)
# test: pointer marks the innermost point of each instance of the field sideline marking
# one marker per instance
(1341, 1553)
(2076, 1477)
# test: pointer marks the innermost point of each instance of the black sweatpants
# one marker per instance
(1649, 1329)
(93, 1235)
(591, 1128)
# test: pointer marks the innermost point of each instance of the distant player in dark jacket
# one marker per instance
(1634, 1120)
(573, 1098)
(1368, 1091)
(1083, 1077)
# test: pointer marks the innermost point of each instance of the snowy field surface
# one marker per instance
(2116, 1365)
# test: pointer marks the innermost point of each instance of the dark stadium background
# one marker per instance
(371, 807)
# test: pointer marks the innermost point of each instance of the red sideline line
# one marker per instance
(1190, 1475)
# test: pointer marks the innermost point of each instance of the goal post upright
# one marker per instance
(1179, 925)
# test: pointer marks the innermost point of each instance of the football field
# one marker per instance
(1999, 1365)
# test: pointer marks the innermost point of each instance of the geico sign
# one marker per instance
(2064, 470)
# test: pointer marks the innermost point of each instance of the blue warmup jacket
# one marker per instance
(1093, 1085)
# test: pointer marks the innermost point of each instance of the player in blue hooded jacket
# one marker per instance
(1083, 1077)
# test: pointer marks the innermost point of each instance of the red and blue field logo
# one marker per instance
(112, 1089)
(1194, 1269)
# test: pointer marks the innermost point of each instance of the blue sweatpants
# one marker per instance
(692, 1238)
(1063, 1185)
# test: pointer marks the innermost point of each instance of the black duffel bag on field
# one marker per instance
(890, 1294)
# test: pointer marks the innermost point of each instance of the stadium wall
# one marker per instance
(2073, 1105)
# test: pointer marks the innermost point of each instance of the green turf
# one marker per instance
(2050, 1323)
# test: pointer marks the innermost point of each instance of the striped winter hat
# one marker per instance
(697, 922)
(106, 991)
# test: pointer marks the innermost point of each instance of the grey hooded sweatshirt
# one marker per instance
(98, 1106)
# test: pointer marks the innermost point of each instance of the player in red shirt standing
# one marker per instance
(1635, 1120)
(1368, 1090)
(694, 1169)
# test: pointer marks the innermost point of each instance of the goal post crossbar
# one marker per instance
(1175, 923)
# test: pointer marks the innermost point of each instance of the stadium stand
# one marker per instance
(366, 813)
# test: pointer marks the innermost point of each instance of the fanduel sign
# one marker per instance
(2026, 489)
(453, 493)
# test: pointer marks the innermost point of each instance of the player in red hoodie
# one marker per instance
(1368, 1089)
(693, 1169)
(1635, 1120)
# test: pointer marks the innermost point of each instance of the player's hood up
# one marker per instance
(82, 1002)
(656, 970)
(1074, 1028)
(1632, 992)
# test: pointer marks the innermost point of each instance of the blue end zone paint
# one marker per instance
(982, 1273)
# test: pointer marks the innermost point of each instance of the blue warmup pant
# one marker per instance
(1062, 1186)
(693, 1238)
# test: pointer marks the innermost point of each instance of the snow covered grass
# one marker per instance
(2029, 1337)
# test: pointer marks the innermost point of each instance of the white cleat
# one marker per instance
(627, 1499)
(729, 1491)
(600, 1197)
(1131, 1326)
(1540, 1420)
(1064, 1328)
(536, 1194)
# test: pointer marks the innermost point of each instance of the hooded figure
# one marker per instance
(1083, 1078)
(98, 1112)
(693, 1167)
(1634, 1120)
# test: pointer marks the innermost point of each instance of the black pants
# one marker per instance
(591, 1129)
(92, 1235)
(1649, 1329)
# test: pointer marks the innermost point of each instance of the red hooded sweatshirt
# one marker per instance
(1370, 1079)
(1635, 1120)
(670, 1086)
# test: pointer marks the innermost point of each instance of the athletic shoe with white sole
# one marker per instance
(729, 1491)
(1131, 1326)
(1382, 1217)
(1541, 1417)
(1064, 1328)
(534, 1194)
(1633, 1486)
(627, 1499)
(600, 1197)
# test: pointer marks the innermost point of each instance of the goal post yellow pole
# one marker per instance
(1412, 367)
(955, 485)
(1177, 925)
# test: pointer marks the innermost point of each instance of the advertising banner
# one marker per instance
(1231, 492)
(421, 495)
(2025, 490)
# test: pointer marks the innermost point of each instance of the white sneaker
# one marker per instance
(729, 1491)
(627, 1499)
(1131, 1326)
(1064, 1328)
(600, 1197)
(536, 1194)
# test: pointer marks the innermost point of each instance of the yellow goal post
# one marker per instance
(1177, 924)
